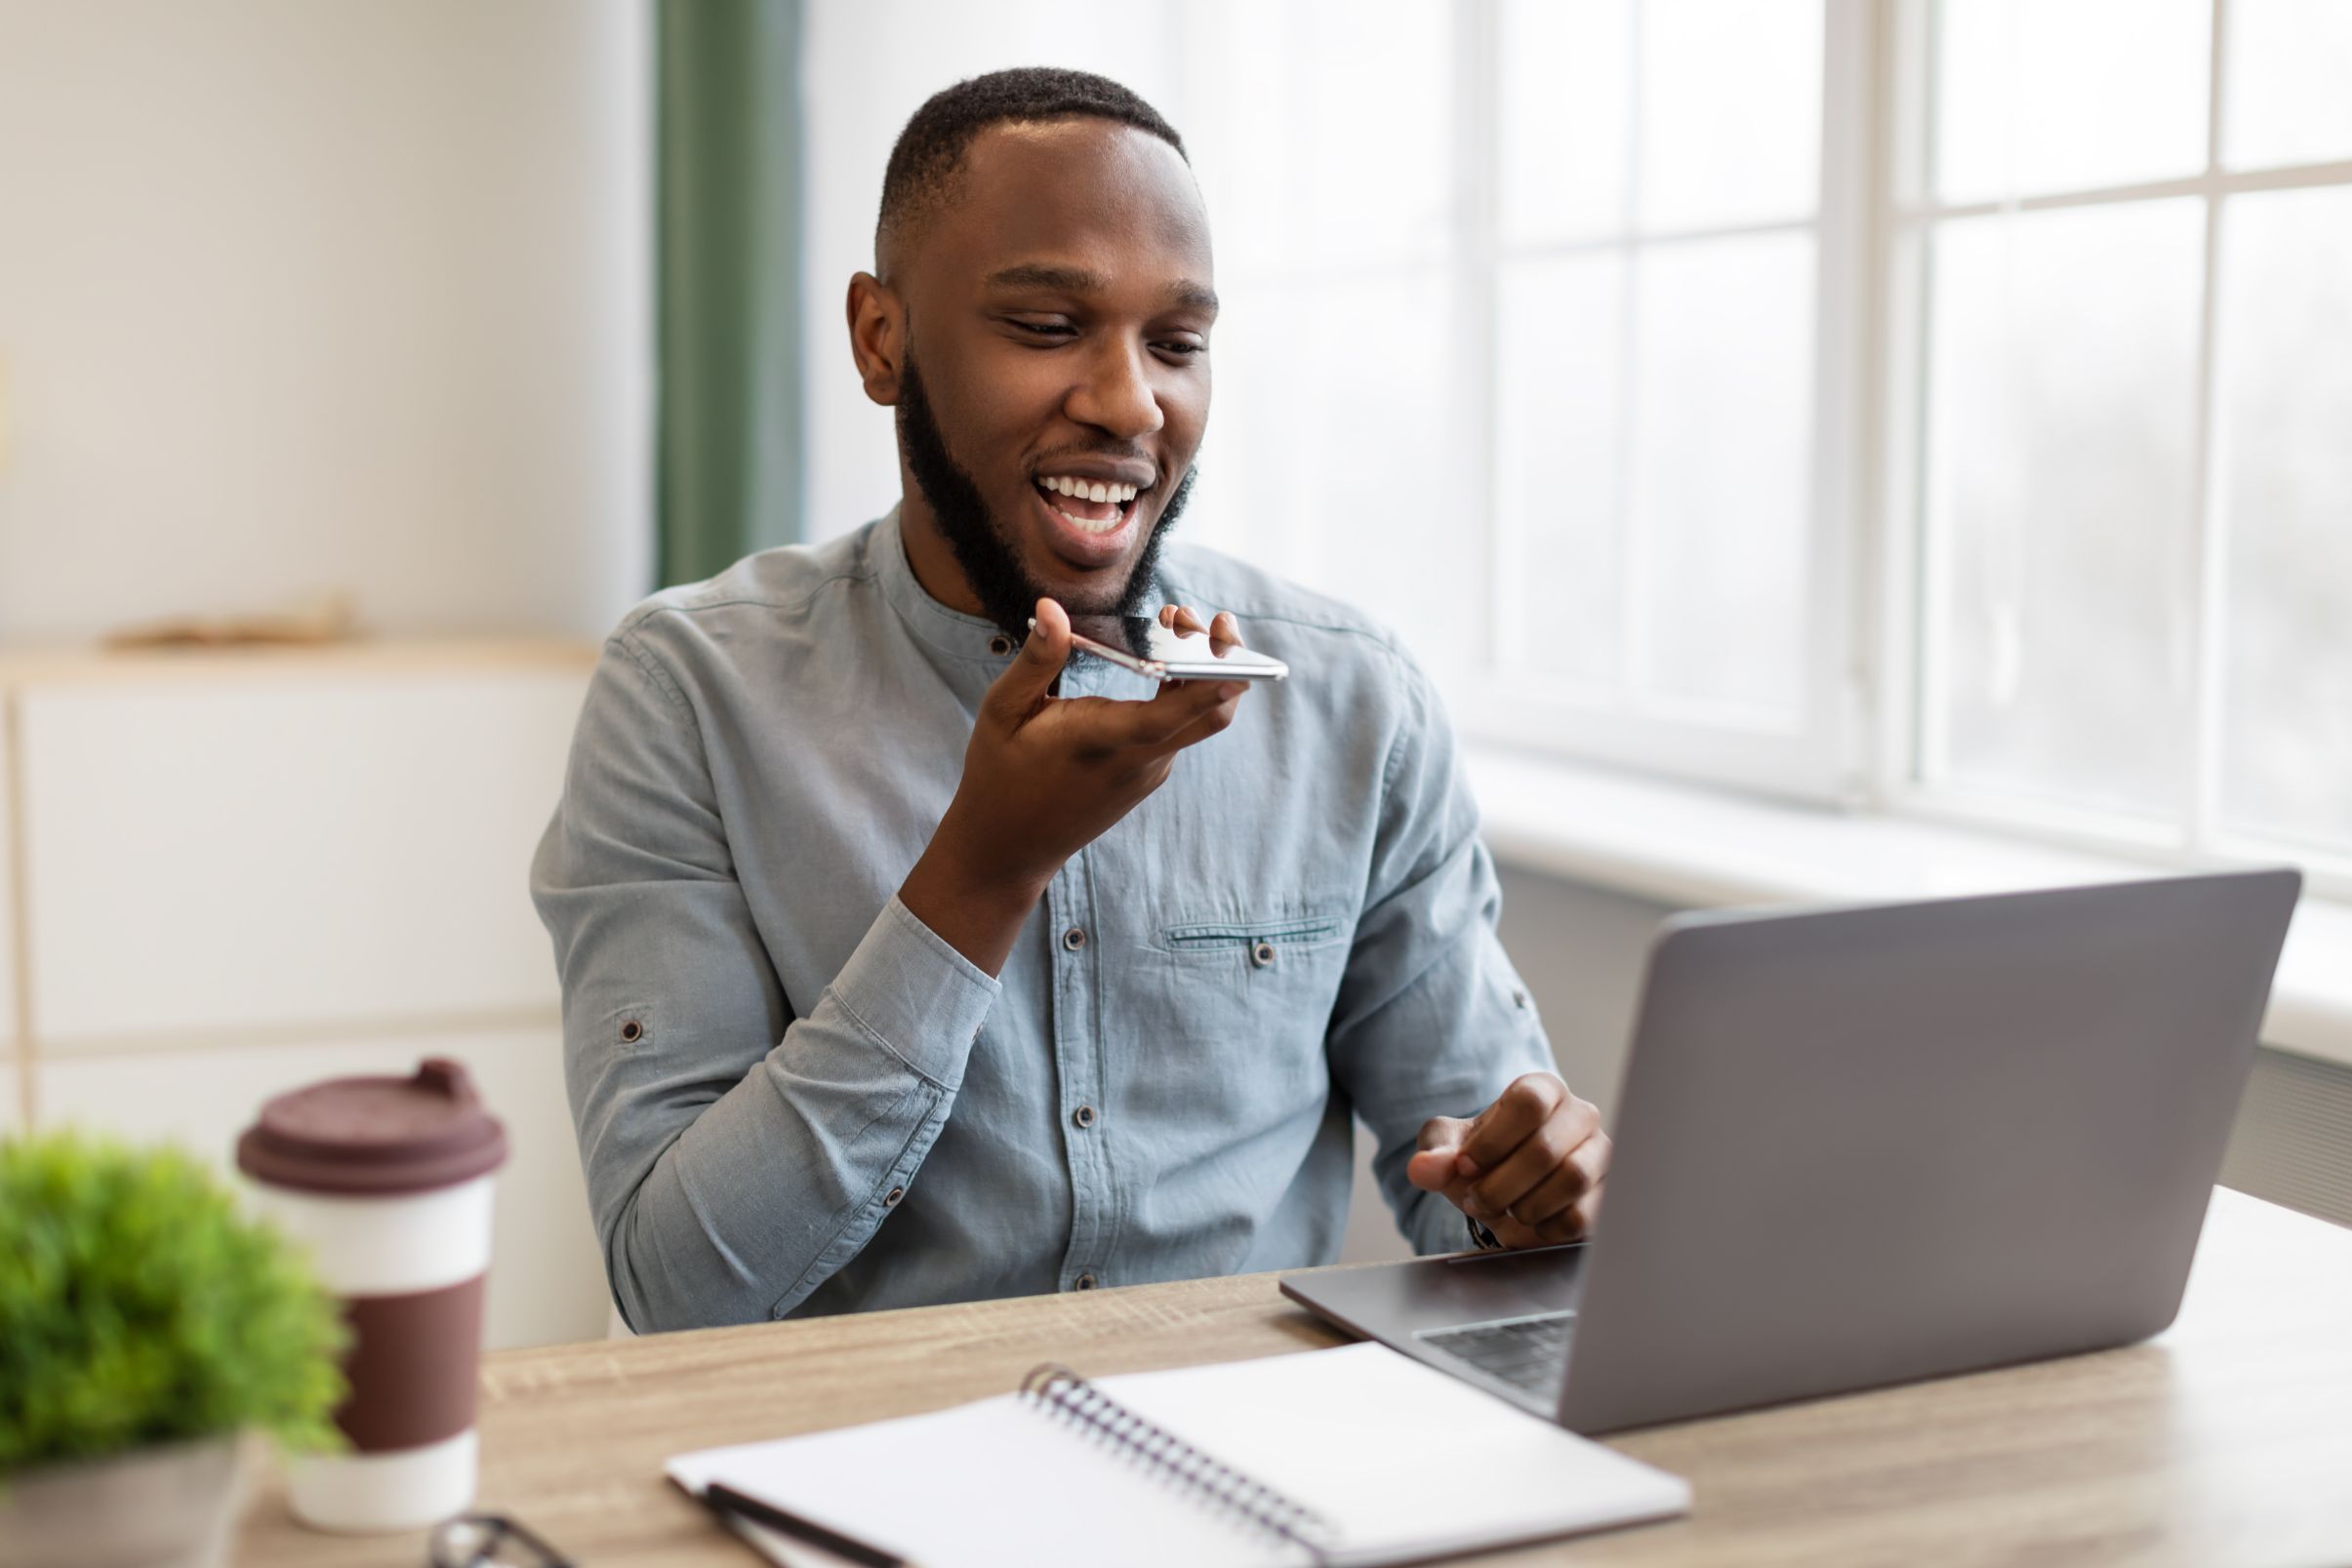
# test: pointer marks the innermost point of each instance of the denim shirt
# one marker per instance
(792, 1098)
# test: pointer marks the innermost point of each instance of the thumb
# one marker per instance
(1433, 1167)
(1028, 679)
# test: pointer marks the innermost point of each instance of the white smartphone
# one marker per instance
(1140, 643)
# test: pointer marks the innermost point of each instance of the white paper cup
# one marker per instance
(389, 1183)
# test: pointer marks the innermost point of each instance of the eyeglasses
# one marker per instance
(490, 1541)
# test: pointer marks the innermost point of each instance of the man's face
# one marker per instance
(1057, 318)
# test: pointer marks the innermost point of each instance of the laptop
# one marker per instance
(1868, 1144)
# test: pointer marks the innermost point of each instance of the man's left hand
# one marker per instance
(1529, 1167)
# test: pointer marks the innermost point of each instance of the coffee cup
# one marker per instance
(388, 1180)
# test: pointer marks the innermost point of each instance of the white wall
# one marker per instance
(858, 95)
(297, 297)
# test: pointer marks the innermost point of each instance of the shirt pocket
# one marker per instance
(1265, 943)
(1236, 998)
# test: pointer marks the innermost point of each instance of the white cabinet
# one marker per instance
(245, 872)
(545, 1282)
(287, 849)
(12, 1066)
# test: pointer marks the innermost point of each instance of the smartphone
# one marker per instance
(1140, 643)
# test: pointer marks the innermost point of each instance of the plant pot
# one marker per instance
(167, 1506)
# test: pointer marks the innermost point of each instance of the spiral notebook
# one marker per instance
(1349, 1456)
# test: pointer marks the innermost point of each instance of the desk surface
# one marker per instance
(2226, 1439)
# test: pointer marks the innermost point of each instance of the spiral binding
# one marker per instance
(1062, 1392)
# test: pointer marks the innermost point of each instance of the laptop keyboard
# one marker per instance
(1525, 1353)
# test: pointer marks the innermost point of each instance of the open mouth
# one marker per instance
(1091, 505)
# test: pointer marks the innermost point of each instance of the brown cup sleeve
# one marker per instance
(412, 1367)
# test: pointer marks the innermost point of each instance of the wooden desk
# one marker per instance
(2227, 1439)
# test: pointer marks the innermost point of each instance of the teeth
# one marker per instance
(1092, 525)
(1088, 490)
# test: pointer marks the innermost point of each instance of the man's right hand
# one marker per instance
(1043, 776)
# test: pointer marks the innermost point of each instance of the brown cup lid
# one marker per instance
(379, 1135)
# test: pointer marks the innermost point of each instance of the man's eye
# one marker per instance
(1047, 329)
(1183, 350)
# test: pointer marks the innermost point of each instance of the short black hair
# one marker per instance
(928, 155)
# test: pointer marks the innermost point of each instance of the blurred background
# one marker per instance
(1823, 449)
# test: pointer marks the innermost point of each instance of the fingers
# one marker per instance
(1224, 631)
(1557, 1187)
(1181, 713)
(1580, 1220)
(1505, 1125)
(1144, 734)
(1027, 681)
(1214, 721)
(1529, 1167)
(1173, 718)
(1574, 1223)
(1547, 1151)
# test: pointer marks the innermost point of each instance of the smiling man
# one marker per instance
(908, 957)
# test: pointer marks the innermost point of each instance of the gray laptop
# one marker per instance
(1862, 1146)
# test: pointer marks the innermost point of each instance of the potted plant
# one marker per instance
(146, 1325)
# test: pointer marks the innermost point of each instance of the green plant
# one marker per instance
(137, 1306)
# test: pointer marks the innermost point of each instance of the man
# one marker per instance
(907, 958)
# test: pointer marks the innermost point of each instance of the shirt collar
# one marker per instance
(933, 624)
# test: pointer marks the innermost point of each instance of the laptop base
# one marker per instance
(1402, 1304)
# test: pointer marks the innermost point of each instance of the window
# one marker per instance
(1655, 282)
(1937, 404)
(1326, 133)
(2133, 390)
(1559, 271)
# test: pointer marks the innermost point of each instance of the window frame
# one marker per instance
(1905, 214)
(1862, 743)
(1825, 757)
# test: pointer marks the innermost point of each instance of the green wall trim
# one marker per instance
(728, 178)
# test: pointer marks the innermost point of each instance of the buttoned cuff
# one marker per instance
(914, 995)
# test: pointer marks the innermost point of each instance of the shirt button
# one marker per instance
(1083, 1115)
(632, 1031)
(1000, 645)
(893, 1195)
(1074, 938)
(1261, 954)
(1084, 1282)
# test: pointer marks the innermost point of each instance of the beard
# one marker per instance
(987, 549)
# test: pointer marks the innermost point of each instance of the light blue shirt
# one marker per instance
(792, 1098)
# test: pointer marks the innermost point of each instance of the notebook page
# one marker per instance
(995, 1484)
(1405, 1461)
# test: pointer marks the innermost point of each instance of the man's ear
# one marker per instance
(877, 335)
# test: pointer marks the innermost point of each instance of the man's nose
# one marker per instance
(1116, 394)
